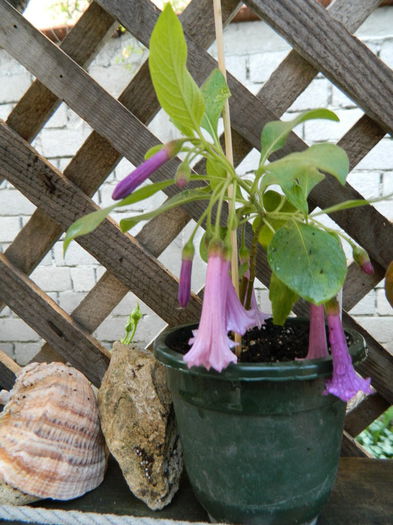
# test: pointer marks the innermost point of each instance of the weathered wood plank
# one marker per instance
(109, 291)
(52, 323)
(355, 69)
(361, 495)
(295, 73)
(349, 447)
(358, 284)
(65, 202)
(8, 369)
(365, 413)
(81, 44)
(68, 81)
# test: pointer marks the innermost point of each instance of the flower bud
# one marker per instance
(182, 176)
(184, 292)
(363, 260)
(144, 170)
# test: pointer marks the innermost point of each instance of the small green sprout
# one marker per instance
(131, 326)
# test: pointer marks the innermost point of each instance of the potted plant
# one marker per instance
(260, 423)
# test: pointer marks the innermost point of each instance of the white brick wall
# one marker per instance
(253, 50)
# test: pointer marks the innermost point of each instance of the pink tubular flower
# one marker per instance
(258, 316)
(184, 292)
(345, 382)
(317, 345)
(239, 319)
(363, 260)
(144, 170)
(211, 344)
(255, 313)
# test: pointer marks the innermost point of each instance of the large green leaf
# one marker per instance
(215, 92)
(176, 90)
(274, 134)
(296, 176)
(298, 173)
(311, 262)
(282, 299)
(327, 157)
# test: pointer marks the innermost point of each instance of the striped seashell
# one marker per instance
(51, 445)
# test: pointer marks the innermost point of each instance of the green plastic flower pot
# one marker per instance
(261, 443)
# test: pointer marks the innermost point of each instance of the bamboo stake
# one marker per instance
(228, 147)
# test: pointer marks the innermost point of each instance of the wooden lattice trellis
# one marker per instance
(119, 130)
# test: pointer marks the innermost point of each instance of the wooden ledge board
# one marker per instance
(362, 496)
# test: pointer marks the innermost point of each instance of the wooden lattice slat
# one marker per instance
(64, 202)
(355, 69)
(123, 134)
(81, 349)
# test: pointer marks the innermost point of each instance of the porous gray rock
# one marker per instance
(138, 423)
(12, 496)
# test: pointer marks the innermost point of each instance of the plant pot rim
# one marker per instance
(299, 370)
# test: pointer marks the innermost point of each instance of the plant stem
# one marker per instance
(253, 264)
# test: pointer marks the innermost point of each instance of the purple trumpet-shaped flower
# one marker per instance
(184, 292)
(317, 345)
(345, 382)
(211, 344)
(239, 320)
(258, 316)
(363, 260)
(144, 170)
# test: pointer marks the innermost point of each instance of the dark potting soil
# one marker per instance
(268, 344)
(272, 343)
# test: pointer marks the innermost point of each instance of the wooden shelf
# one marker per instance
(362, 496)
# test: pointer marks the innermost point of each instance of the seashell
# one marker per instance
(51, 445)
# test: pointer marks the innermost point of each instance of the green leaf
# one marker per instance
(271, 200)
(176, 90)
(327, 157)
(181, 198)
(274, 134)
(203, 245)
(354, 203)
(311, 262)
(215, 92)
(215, 171)
(296, 177)
(282, 299)
(298, 173)
(86, 224)
(145, 192)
